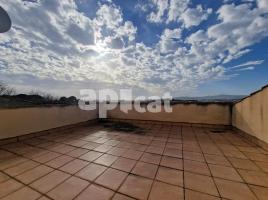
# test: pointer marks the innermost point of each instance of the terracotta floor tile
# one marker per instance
(155, 150)
(101, 140)
(59, 161)
(174, 145)
(118, 196)
(124, 164)
(140, 155)
(235, 154)
(191, 147)
(196, 167)
(171, 162)
(77, 152)
(197, 182)
(162, 191)
(257, 156)
(36, 153)
(225, 172)
(124, 145)
(243, 164)
(103, 148)
(5, 155)
(248, 149)
(33, 174)
(262, 165)
(145, 169)
(112, 142)
(173, 153)
(254, 177)
(24, 193)
(91, 172)
(260, 192)
(18, 169)
(158, 143)
(209, 148)
(261, 150)
(46, 157)
(132, 154)
(45, 144)
(94, 192)
(59, 139)
(74, 166)
(217, 160)
(9, 186)
(234, 190)
(19, 148)
(91, 145)
(161, 138)
(44, 198)
(49, 181)
(151, 158)
(11, 162)
(111, 178)
(116, 151)
(193, 195)
(136, 187)
(62, 148)
(139, 147)
(3, 177)
(174, 140)
(91, 156)
(76, 143)
(106, 160)
(68, 189)
(170, 176)
(145, 141)
(193, 156)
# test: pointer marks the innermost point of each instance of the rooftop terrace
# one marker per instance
(206, 151)
(163, 161)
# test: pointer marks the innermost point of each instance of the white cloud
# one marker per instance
(194, 16)
(141, 7)
(60, 43)
(177, 11)
(158, 15)
(239, 27)
(246, 69)
(116, 43)
(249, 63)
(176, 8)
(169, 41)
(263, 4)
(109, 16)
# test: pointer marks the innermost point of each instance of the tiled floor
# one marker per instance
(167, 162)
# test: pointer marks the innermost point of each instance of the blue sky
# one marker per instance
(187, 47)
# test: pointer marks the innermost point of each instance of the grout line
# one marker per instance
(198, 141)
(244, 182)
(183, 174)
(27, 185)
(110, 167)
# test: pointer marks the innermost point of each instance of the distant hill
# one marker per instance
(25, 100)
(216, 98)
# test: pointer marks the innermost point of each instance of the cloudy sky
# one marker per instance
(187, 47)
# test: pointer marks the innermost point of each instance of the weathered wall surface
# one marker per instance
(251, 115)
(212, 113)
(20, 121)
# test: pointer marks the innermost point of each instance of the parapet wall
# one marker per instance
(207, 113)
(21, 121)
(251, 115)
